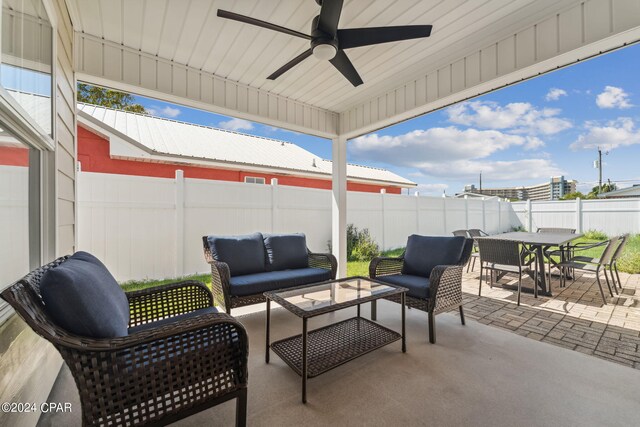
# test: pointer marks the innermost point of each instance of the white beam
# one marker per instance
(112, 65)
(568, 36)
(339, 204)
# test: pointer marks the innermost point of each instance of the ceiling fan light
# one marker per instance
(324, 52)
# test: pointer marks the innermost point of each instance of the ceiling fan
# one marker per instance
(328, 42)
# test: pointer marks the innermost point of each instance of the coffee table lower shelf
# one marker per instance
(333, 345)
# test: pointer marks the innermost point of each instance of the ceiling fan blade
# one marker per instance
(357, 37)
(259, 23)
(286, 67)
(343, 64)
(329, 16)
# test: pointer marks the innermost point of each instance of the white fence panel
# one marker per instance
(611, 216)
(152, 227)
(129, 223)
(14, 223)
(615, 216)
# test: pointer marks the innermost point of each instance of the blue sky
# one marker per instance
(519, 135)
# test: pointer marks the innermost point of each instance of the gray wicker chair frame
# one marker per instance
(221, 275)
(613, 265)
(445, 286)
(473, 233)
(152, 377)
(594, 265)
(507, 256)
(556, 230)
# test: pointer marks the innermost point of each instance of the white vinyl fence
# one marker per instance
(611, 216)
(144, 227)
(14, 223)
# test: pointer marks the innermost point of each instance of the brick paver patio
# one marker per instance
(574, 317)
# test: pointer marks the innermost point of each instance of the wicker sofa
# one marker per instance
(244, 267)
(149, 357)
(431, 268)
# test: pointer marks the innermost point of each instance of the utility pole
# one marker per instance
(480, 182)
(598, 164)
(599, 168)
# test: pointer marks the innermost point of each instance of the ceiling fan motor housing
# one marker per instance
(323, 45)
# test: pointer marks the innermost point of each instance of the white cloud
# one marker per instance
(167, 111)
(554, 94)
(516, 117)
(453, 153)
(613, 97)
(615, 133)
(439, 144)
(513, 170)
(236, 124)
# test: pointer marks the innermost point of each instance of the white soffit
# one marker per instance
(182, 52)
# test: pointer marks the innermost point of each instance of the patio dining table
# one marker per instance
(539, 242)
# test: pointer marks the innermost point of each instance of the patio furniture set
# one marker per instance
(155, 356)
(161, 354)
(516, 252)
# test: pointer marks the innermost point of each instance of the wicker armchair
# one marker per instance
(155, 376)
(221, 275)
(445, 286)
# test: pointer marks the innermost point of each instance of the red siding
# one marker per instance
(93, 154)
(14, 156)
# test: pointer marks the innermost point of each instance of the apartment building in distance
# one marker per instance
(557, 187)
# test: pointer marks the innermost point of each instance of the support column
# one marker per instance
(179, 223)
(339, 204)
(578, 215)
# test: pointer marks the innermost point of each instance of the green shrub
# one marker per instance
(360, 244)
(629, 261)
(595, 235)
(518, 228)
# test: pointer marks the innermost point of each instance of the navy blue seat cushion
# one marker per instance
(81, 296)
(286, 251)
(262, 282)
(170, 320)
(418, 286)
(423, 253)
(243, 254)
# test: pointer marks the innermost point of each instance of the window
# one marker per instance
(26, 117)
(25, 67)
(253, 180)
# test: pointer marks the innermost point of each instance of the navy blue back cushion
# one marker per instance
(81, 296)
(286, 251)
(243, 254)
(423, 253)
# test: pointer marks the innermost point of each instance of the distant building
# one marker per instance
(623, 193)
(121, 142)
(557, 187)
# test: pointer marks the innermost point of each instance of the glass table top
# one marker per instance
(337, 293)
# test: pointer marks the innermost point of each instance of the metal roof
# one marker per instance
(176, 138)
(633, 191)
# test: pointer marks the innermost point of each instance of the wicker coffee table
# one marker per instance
(314, 352)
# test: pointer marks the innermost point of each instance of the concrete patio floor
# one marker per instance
(574, 317)
(474, 375)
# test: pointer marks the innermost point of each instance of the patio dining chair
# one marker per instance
(545, 250)
(612, 265)
(473, 233)
(594, 265)
(507, 256)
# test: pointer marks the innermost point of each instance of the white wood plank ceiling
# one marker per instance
(494, 37)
